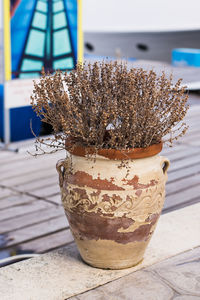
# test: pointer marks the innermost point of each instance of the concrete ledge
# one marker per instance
(61, 274)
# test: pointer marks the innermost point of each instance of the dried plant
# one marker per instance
(107, 105)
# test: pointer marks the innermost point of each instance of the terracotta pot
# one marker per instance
(113, 216)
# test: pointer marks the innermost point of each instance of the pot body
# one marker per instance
(113, 210)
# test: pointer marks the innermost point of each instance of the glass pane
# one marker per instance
(41, 6)
(65, 63)
(29, 75)
(39, 20)
(57, 6)
(59, 20)
(30, 64)
(61, 42)
(35, 45)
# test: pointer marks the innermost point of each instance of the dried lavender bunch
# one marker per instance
(107, 105)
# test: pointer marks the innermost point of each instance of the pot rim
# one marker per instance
(114, 154)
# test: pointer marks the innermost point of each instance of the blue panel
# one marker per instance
(186, 57)
(59, 20)
(36, 43)
(39, 20)
(71, 7)
(20, 123)
(64, 63)
(28, 75)
(57, 6)
(61, 43)
(42, 6)
(30, 64)
(1, 112)
(20, 23)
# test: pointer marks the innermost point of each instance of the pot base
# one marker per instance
(106, 254)
(114, 266)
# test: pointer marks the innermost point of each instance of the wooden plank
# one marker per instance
(29, 145)
(16, 200)
(49, 242)
(193, 110)
(178, 154)
(193, 114)
(191, 119)
(192, 130)
(16, 157)
(45, 192)
(195, 142)
(31, 165)
(34, 231)
(26, 177)
(27, 171)
(4, 154)
(192, 134)
(183, 197)
(4, 193)
(183, 173)
(23, 209)
(180, 205)
(30, 219)
(184, 163)
(37, 184)
(169, 150)
(26, 157)
(55, 199)
(182, 184)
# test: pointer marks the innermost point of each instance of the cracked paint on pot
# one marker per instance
(111, 215)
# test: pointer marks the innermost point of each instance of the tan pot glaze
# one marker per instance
(112, 216)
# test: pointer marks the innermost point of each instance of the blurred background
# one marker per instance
(55, 34)
(140, 29)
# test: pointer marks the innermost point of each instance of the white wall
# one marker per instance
(140, 15)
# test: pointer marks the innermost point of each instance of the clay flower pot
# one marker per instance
(112, 217)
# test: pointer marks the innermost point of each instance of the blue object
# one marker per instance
(43, 34)
(186, 57)
(20, 123)
(20, 23)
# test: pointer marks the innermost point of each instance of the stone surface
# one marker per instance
(61, 274)
(138, 286)
(186, 298)
(182, 272)
(176, 278)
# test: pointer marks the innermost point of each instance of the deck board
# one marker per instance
(49, 242)
(31, 215)
(4, 192)
(28, 177)
(30, 218)
(37, 230)
(182, 184)
(31, 205)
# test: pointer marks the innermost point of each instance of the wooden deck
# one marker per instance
(31, 216)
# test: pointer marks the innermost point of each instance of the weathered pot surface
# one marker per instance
(112, 215)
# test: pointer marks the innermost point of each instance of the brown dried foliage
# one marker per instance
(107, 105)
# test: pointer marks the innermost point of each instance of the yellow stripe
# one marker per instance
(7, 41)
(80, 32)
